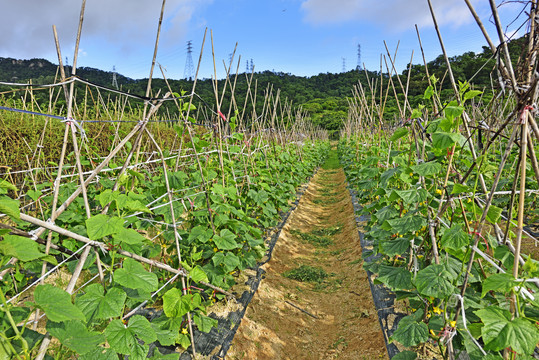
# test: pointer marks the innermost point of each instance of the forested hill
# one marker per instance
(324, 96)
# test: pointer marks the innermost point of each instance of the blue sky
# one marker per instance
(302, 37)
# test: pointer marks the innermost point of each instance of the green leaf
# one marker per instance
(455, 238)
(407, 223)
(107, 196)
(396, 246)
(405, 355)
(97, 305)
(133, 275)
(399, 133)
(34, 195)
(386, 213)
(501, 332)
(158, 356)
(412, 196)
(410, 332)
(21, 248)
(459, 189)
(503, 283)
(102, 225)
(396, 278)
(226, 240)
(427, 168)
(100, 353)
(494, 213)
(124, 339)
(434, 280)
(5, 186)
(204, 323)
(429, 91)
(75, 336)
(471, 94)
(453, 112)
(200, 233)
(56, 303)
(177, 305)
(128, 236)
(10, 207)
(231, 262)
(443, 140)
(197, 274)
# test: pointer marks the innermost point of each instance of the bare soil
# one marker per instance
(339, 320)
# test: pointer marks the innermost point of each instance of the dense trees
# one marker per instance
(322, 96)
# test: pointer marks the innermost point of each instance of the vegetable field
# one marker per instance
(126, 227)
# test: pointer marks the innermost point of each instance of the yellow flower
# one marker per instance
(439, 191)
(469, 200)
(404, 211)
(215, 249)
(432, 332)
(411, 174)
(184, 331)
(437, 310)
(453, 324)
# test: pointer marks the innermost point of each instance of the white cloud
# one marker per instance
(395, 15)
(26, 27)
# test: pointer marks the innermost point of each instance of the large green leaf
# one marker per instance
(427, 168)
(95, 304)
(177, 305)
(410, 331)
(56, 303)
(100, 353)
(226, 240)
(231, 262)
(10, 207)
(400, 132)
(494, 213)
(397, 278)
(455, 238)
(411, 196)
(405, 355)
(407, 223)
(128, 236)
(443, 140)
(197, 274)
(501, 332)
(102, 225)
(503, 283)
(434, 280)
(133, 275)
(5, 186)
(386, 213)
(204, 323)
(396, 246)
(21, 248)
(124, 339)
(75, 336)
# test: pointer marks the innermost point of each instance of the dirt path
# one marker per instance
(316, 266)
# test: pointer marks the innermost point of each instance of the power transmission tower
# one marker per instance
(114, 79)
(189, 67)
(358, 57)
(343, 64)
(247, 66)
(252, 66)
